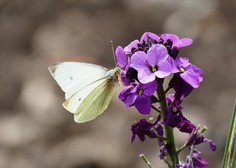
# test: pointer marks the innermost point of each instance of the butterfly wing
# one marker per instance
(93, 104)
(88, 88)
(74, 76)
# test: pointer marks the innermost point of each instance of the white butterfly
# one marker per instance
(88, 88)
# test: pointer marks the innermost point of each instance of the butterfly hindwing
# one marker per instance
(96, 102)
(72, 103)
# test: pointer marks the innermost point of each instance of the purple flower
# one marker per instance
(202, 139)
(148, 37)
(195, 162)
(131, 47)
(186, 77)
(152, 64)
(188, 72)
(199, 162)
(175, 41)
(173, 112)
(144, 128)
(174, 116)
(128, 74)
(139, 95)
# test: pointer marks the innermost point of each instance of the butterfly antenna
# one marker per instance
(113, 52)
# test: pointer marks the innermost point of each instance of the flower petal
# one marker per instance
(182, 88)
(157, 53)
(143, 104)
(179, 43)
(192, 75)
(144, 125)
(139, 62)
(147, 35)
(149, 88)
(121, 57)
(200, 162)
(127, 97)
(171, 37)
(183, 42)
(182, 61)
(145, 76)
(164, 69)
(128, 48)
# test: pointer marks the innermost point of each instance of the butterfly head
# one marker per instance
(113, 74)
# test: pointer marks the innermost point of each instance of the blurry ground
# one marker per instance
(36, 132)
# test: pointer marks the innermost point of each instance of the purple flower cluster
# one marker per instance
(145, 64)
(150, 60)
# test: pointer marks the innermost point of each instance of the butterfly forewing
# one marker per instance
(74, 76)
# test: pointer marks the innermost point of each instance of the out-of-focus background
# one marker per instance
(35, 130)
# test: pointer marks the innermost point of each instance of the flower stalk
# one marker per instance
(170, 140)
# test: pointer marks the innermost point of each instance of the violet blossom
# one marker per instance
(152, 64)
(139, 95)
(144, 128)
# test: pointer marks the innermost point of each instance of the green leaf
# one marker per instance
(229, 160)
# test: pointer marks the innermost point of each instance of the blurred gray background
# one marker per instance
(35, 130)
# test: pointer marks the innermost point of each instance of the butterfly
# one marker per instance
(88, 88)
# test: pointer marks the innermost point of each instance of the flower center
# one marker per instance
(181, 69)
(174, 109)
(140, 92)
(154, 68)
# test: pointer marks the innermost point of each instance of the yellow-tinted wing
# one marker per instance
(94, 103)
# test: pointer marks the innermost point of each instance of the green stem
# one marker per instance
(156, 109)
(145, 160)
(191, 153)
(173, 156)
(181, 148)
